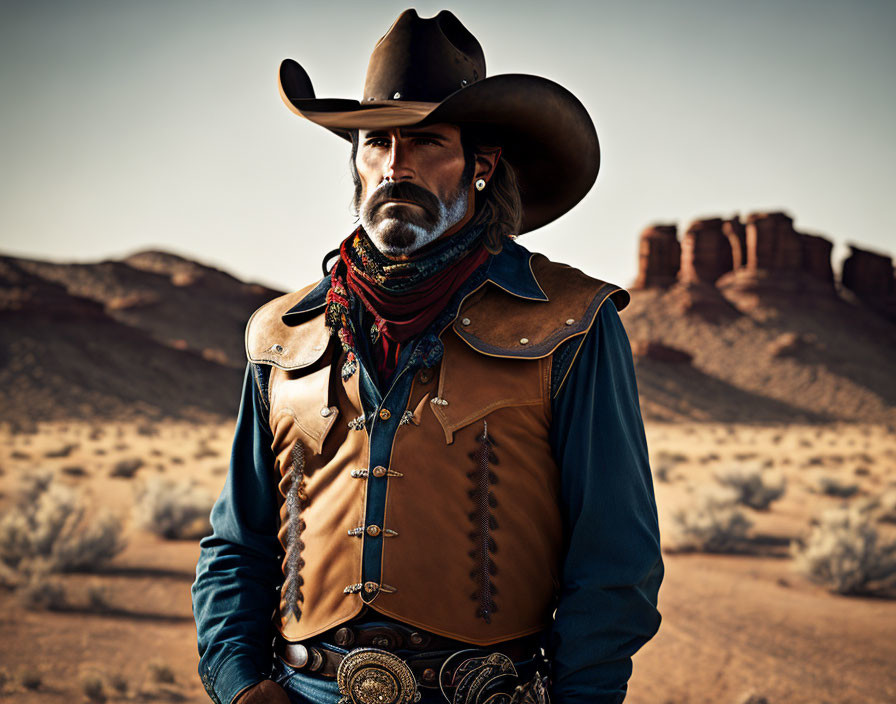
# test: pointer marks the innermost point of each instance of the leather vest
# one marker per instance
(472, 535)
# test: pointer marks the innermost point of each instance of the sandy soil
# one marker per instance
(733, 625)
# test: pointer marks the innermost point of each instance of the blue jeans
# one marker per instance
(303, 688)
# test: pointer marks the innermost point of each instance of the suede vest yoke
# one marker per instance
(472, 537)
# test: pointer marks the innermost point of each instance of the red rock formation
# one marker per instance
(817, 257)
(772, 243)
(659, 255)
(868, 275)
(736, 233)
(705, 252)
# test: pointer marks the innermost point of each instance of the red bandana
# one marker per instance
(401, 317)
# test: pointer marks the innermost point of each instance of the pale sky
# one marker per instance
(157, 124)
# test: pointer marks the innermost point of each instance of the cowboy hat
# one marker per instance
(426, 71)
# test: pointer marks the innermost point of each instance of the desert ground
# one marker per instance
(740, 625)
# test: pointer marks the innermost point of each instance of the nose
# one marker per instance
(398, 166)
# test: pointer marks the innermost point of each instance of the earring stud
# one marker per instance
(480, 184)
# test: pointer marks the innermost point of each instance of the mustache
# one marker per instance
(403, 190)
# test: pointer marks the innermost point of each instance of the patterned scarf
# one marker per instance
(402, 298)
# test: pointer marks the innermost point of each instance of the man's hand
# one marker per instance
(265, 692)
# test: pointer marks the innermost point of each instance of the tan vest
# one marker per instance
(473, 528)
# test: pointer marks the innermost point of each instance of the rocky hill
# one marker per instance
(151, 336)
(746, 321)
(736, 321)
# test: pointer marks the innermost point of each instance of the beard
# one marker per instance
(399, 229)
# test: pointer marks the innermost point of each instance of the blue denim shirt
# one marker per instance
(611, 568)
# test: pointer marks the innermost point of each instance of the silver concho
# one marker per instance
(374, 676)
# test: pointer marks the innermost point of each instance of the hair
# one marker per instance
(498, 207)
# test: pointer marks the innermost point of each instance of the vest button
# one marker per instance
(371, 587)
(465, 321)
(429, 675)
(425, 377)
(570, 321)
(344, 636)
(524, 340)
(373, 531)
(385, 414)
(379, 471)
(326, 411)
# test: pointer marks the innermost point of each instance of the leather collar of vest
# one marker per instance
(526, 308)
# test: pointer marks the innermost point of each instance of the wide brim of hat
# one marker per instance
(544, 131)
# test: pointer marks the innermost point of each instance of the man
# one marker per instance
(439, 483)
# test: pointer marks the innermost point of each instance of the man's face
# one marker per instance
(413, 186)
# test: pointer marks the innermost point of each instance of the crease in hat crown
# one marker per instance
(423, 60)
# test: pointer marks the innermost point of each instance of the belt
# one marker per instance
(427, 660)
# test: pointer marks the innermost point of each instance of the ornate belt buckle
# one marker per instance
(374, 676)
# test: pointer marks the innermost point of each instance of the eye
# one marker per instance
(428, 141)
(377, 142)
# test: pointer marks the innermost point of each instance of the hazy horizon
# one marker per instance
(131, 126)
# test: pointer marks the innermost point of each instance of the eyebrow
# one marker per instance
(405, 132)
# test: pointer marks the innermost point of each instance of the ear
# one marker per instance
(486, 161)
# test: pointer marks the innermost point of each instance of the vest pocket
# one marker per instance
(472, 385)
(305, 399)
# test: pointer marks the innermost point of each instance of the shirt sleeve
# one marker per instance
(238, 574)
(612, 567)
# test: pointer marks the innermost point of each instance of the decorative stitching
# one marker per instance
(406, 417)
(296, 499)
(484, 523)
(357, 423)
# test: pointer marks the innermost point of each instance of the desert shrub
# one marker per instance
(881, 508)
(52, 529)
(204, 451)
(119, 683)
(714, 524)
(40, 592)
(845, 553)
(31, 678)
(127, 468)
(751, 487)
(832, 486)
(662, 473)
(97, 597)
(93, 687)
(160, 672)
(63, 451)
(175, 510)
